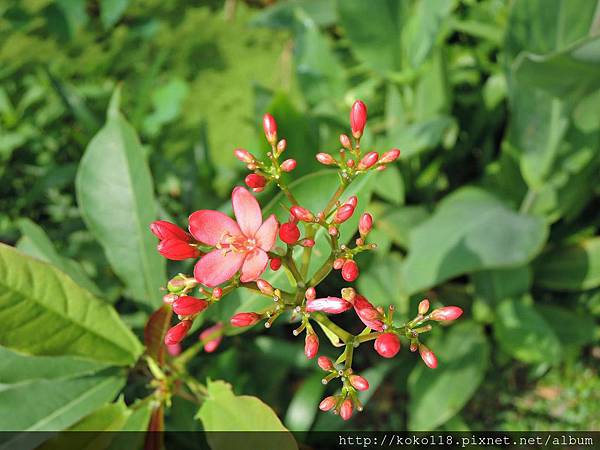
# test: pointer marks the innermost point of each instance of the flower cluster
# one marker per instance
(238, 254)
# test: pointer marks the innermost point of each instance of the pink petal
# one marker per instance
(267, 233)
(216, 267)
(254, 265)
(208, 226)
(247, 211)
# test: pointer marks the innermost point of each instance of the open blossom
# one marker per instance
(241, 245)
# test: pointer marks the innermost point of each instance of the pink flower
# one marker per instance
(446, 313)
(241, 245)
(311, 345)
(358, 118)
(217, 336)
(367, 313)
(428, 356)
(330, 305)
(359, 383)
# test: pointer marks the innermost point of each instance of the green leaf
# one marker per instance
(225, 411)
(570, 268)
(305, 403)
(524, 334)
(374, 29)
(111, 11)
(418, 137)
(381, 282)
(463, 356)
(572, 72)
(390, 186)
(499, 284)
(50, 405)
(43, 312)
(35, 242)
(471, 230)
(397, 223)
(571, 328)
(115, 195)
(281, 14)
(154, 333)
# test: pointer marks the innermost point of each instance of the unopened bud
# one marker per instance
(255, 180)
(170, 298)
(275, 264)
(215, 336)
(187, 305)
(423, 307)
(167, 230)
(289, 233)
(177, 333)
(345, 141)
(288, 165)
(350, 270)
(281, 146)
(387, 345)
(348, 294)
(302, 214)
(390, 156)
(359, 383)
(330, 305)
(307, 243)
(311, 345)
(325, 363)
(446, 313)
(368, 314)
(352, 201)
(244, 319)
(244, 155)
(327, 403)
(332, 230)
(264, 287)
(358, 118)
(326, 159)
(346, 409)
(270, 127)
(428, 356)
(365, 224)
(343, 213)
(368, 160)
(310, 293)
(217, 293)
(338, 263)
(177, 249)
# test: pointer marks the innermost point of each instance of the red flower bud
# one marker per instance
(343, 213)
(275, 264)
(176, 334)
(244, 319)
(310, 293)
(350, 163)
(327, 403)
(167, 230)
(332, 230)
(174, 349)
(302, 214)
(270, 127)
(367, 313)
(177, 249)
(289, 232)
(350, 270)
(215, 335)
(346, 409)
(311, 345)
(338, 263)
(326, 159)
(281, 146)
(288, 165)
(359, 383)
(345, 141)
(307, 243)
(365, 224)
(358, 118)
(387, 345)
(390, 156)
(352, 201)
(427, 356)
(187, 305)
(325, 363)
(244, 155)
(255, 180)
(446, 313)
(424, 307)
(264, 287)
(368, 160)
(217, 293)
(331, 305)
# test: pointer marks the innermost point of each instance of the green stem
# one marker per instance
(337, 330)
(367, 337)
(349, 354)
(528, 201)
(306, 254)
(288, 260)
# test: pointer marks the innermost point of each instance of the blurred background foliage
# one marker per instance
(494, 205)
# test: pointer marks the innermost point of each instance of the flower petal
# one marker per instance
(247, 211)
(254, 265)
(208, 226)
(267, 233)
(216, 267)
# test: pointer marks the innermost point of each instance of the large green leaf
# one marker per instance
(305, 404)
(115, 195)
(574, 71)
(524, 334)
(471, 230)
(570, 268)
(374, 29)
(437, 395)
(49, 405)
(225, 411)
(43, 312)
(35, 242)
(572, 328)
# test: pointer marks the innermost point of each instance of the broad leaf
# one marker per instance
(572, 328)
(225, 411)
(35, 242)
(390, 186)
(471, 230)
(436, 395)
(570, 268)
(154, 333)
(43, 312)
(304, 405)
(524, 334)
(115, 195)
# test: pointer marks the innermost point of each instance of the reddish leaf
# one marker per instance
(154, 333)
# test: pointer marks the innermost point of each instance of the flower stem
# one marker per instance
(337, 330)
